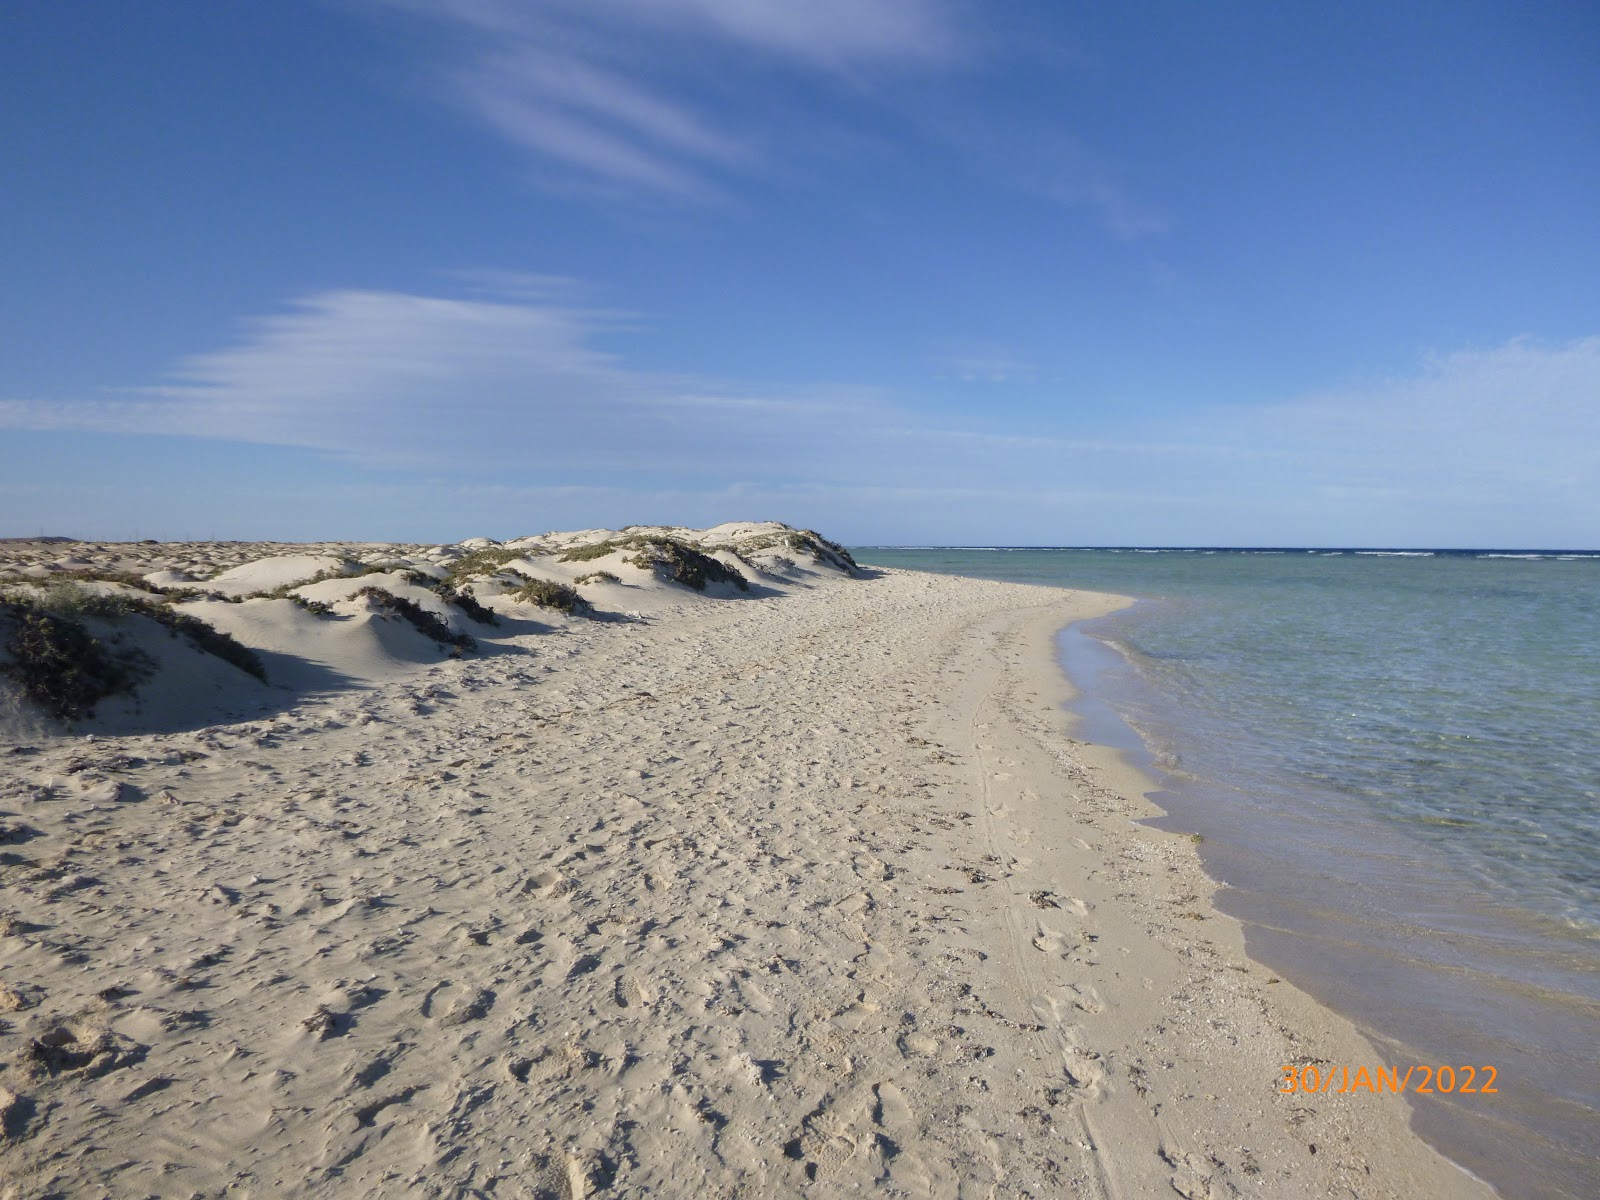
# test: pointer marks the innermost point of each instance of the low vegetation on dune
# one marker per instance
(546, 593)
(55, 652)
(419, 618)
(125, 578)
(487, 561)
(67, 600)
(128, 579)
(59, 666)
(464, 600)
(595, 550)
(206, 637)
(64, 669)
(679, 561)
(800, 541)
(443, 588)
(828, 551)
(469, 604)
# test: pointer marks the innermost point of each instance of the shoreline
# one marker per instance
(1310, 1031)
(1351, 835)
(763, 896)
(1305, 935)
(1110, 737)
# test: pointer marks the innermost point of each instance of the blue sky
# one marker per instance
(902, 270)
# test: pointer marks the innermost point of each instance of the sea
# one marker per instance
(1392, 758)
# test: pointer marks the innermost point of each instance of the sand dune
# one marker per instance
(343, 615)
(803, 889)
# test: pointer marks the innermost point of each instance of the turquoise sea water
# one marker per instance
(1394, 760)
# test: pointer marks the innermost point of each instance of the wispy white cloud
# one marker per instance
(826, 32)
(663, 98)
(1524, 415)
(988, 363)
(819, 31)
(470, 385)
(594, 120)
(1474, 445)
(1098, 189)
(596, 87)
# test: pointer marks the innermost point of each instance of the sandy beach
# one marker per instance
(798, 888)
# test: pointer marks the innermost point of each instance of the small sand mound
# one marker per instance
(265, 574)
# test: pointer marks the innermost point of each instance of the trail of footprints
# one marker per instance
(580, 973)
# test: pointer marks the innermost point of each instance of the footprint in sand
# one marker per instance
(874, 868)
(842, 1137)
(1051, 941)
(1084, 1073)
(547, 885)
(894, 1111)
(1085, 998)
(456, 1004)
(631, 993)
(919, 1045)
(852, 906)
(1191, 1175)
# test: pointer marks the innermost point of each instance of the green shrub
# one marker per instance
(596, 577)
(60, 666)
(811, 540)
(66, 598)
(803, 541)
(469, 604)
(126, 578)
(420, 618)
(682, 563)
(481, 562)
(66, 601)
(596, 550)
(193, 593)
(546, 593)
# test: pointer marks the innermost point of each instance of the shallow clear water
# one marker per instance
(1392, 759)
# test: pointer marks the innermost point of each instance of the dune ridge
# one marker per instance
(798, 889)
(309, 619)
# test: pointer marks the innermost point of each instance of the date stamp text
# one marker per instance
(1330, 1079)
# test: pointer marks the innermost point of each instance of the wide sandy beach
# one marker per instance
(809, 891)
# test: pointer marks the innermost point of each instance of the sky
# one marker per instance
(903, 271)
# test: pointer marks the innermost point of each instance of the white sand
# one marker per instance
(805, 894)
(265, 574)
